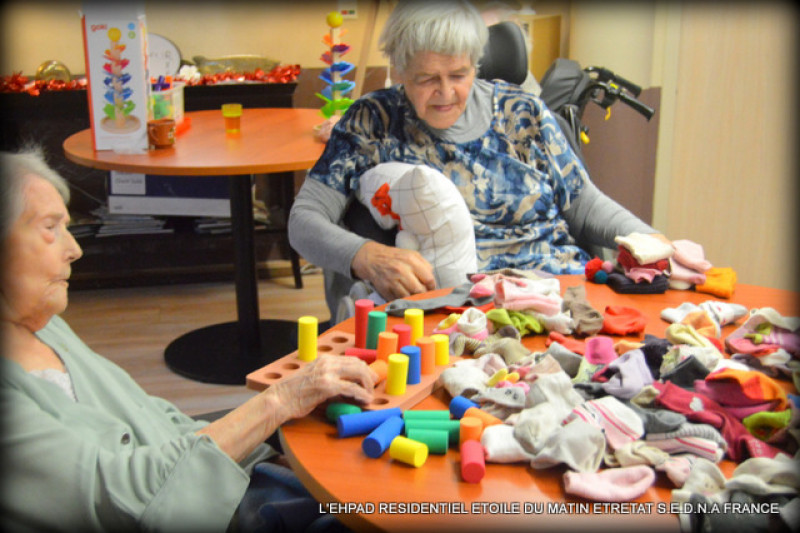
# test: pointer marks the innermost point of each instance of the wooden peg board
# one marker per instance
(335, 343)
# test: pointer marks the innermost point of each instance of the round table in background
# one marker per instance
(272, 140)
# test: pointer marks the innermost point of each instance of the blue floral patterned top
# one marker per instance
(517, 178)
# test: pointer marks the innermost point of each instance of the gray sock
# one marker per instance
(459, 297)
(658, 420)
(569, 360)
(689, 429)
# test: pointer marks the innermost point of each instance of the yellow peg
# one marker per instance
(307, 338)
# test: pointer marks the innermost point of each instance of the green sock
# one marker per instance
(763, 424)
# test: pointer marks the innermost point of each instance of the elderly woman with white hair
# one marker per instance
(84, 448)
(529, 196)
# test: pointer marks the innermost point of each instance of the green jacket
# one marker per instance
(117, 460)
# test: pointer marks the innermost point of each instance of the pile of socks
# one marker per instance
(621, 413)
(644, 261)
(760, 495)
(647, 265)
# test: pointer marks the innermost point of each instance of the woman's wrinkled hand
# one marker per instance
(326, 377)
(393, 272)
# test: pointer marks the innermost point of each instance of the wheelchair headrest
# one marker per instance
(505, 56)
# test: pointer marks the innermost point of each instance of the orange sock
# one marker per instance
(720, 281)
(621, 320)
(702, 322)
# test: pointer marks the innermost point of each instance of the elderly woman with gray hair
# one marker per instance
(84, 448)
(528, 194)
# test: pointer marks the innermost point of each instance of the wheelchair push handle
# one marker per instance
(606, 75)
(638, 106)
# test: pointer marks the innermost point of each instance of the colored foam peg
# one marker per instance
(403, 334)
(427, 355)
(473, 461)
(452, 427)
(376, 322)
(381, 368)
(363, 307)
(337, 409)
(486, 418)
(307, 328)
(408, 451)
(365, 354)
(441, 343)
(436, 440)
(459, 405)
(397, 375)
(470, 428)
(362, 423)
(387, 345)
(423, 414)
(416, 319)
(382, 436)
(414, 364)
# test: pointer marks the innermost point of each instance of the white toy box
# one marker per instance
(115, 47)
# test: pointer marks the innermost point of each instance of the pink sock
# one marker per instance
(600, 350)
(678, 467)
(610, 485)
(483, 285)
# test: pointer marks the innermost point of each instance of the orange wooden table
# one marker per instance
(396, 497)
(274, 140)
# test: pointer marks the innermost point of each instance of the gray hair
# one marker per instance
(449, 27)
(15, 168)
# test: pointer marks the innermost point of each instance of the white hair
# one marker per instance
(449, 27)
(16, 168)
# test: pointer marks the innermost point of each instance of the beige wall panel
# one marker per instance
(290, 31)
(733, 186)
(615, 35)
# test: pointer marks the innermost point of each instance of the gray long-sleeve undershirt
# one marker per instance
(314, 229)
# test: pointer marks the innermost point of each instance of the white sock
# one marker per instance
(501, 446)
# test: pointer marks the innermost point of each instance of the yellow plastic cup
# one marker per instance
(232, 113)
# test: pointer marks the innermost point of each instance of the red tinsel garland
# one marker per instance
(280, 74)
(17, 83)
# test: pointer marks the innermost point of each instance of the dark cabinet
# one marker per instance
(182, 256)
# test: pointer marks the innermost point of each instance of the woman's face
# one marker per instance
(37, 254)
(438, 86)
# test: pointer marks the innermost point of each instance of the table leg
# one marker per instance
(242, 227)
(226, 353)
